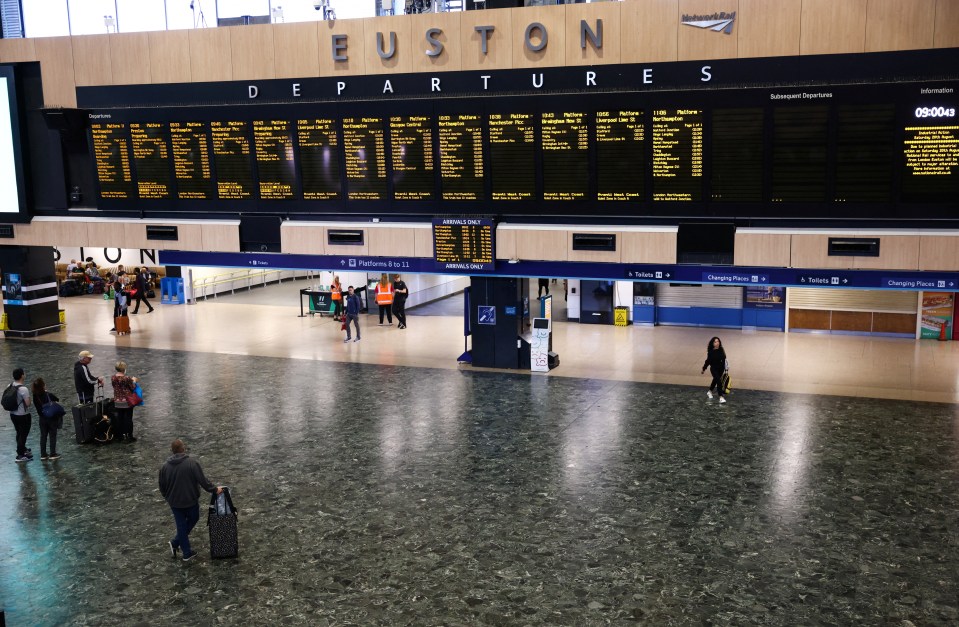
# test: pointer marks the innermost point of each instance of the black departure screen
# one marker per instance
(931, 155)
(620, 155)
(565, 156)
(464, 243)
(462, 168)
(800, 139)
(677, 154)
(512, 149)
(319, 158)
(151, 158)
(737, 155)
(411, 142)
(111, 153)
(364, 143)
(231, 156)
(191, 160)
(273, 140)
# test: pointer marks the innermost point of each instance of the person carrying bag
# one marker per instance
(50, 413)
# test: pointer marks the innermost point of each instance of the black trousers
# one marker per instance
(399, 310)
(142, 296)
(48, 427)
(385, 309)
(124, 423)
(356, 322)
(717, 382)
(21, 425)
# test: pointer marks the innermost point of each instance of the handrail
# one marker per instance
(232, 277)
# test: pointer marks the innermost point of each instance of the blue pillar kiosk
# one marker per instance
(499, 311)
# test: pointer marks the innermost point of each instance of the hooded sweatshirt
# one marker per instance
(180, 477)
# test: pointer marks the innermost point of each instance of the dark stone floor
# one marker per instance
(374, 495)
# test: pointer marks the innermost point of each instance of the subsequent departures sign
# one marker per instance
(464, 244)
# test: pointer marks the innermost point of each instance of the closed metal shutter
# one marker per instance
(852, 300)
(10, 19)
(715, 296)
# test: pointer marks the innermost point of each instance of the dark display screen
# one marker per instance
(677, 154)
(111, 153)
(364, 144)
(737, 155)
(800, 140)
(620, 155)
(565, 156)
(151, 158)
(273, 140)
(931, 155)
(191, 160)
(462, 169)
(231, 157)
(319, 158)
(512, 149)
(464, 243)
(411, 143)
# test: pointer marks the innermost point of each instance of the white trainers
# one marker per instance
(722, 400)
(709, 393)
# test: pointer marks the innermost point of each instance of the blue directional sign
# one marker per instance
(486, 314)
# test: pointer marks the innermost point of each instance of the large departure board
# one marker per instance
(319, 158)
(112, 156)
(677, 154)
(565, 156)
(620, 155)
(800, 139)
(931, 157)
(191, 160)
(464, 243)
(364, 143)
(865, 153)
(231, 157)
(737, 155)
(462, 167)
(151, 158)
(411, 143)
(512, 148)
(273, 141)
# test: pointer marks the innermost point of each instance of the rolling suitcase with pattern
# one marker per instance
(222, 523)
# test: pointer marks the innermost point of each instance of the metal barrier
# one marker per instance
(247, 279)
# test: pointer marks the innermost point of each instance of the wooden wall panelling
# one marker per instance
(402, 60)
(893, 323)
(852, 321)
(553, 18)
(900, 25)
(499, 46)
(546, 245)
(810, 251)
(189, 237)
(252, 51)
(451, 58)
(947, 24)
(17, 51)
(939, 252)
(423, 242)
(505, 243)
(650, 31)
(615, 256)
(130, 54)
(896, 252)
(135, 235)
(91, 60)
(103, 234)
(170, 56)
(303, 240)
(296, 50)
(610, 14)
(768, 29)
(391, 242)
(355, 52)
(762, 249)
(221, 237)
(833, 27)
(211, 55)
(348, 250)
(649, 247)
(809, 319)
(704, 43)
(67, 233)
(26, 235)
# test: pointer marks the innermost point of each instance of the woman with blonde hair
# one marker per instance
(384, 298)
(124, 400)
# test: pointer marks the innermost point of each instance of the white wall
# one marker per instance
(129, 257)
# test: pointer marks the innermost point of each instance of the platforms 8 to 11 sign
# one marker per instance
(464, 244)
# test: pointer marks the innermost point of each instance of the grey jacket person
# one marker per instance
(180, 480)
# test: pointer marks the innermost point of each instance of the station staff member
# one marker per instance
(384, 298)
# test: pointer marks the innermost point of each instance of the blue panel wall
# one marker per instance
(700, 316)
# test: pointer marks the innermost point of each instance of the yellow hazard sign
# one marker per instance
(621, 316)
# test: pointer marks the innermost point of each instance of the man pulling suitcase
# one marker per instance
(180, 480)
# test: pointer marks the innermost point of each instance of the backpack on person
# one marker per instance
(11, 397)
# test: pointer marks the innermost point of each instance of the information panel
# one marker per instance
(737, 155)
(800, 140)
(512, 150)
(319, 158)
(191, 160)
(364, 142)
(620, 155)
(931, 155)
(464, 243)
(411, 143)
(565, 156)
(677, 154)
(112, 156)
(462, 168)
(273, 141)
(231, 157)
(151, 158)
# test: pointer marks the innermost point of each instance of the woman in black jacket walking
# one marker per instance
(48, 426)
(716, 362)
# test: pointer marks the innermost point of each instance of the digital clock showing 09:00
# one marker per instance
(935, 112)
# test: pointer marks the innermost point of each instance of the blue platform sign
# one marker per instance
(486, 314)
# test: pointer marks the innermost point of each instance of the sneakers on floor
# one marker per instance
(357, 340)
(54, 457)
(172, 549)
(187, 558)
(24, 458)
(346, 341)
(44, 457)
(722, 400)
(709, 393)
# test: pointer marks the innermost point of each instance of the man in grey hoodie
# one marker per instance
(180, 480)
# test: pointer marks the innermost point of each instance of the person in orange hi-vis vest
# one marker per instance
(384, 298)
(337, 294)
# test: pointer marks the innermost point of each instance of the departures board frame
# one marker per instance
(791, 143)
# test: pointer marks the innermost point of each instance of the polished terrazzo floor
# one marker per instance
(385, 495)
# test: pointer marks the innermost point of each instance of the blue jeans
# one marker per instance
(186, 518)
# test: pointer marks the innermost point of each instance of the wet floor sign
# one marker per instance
(621, 316)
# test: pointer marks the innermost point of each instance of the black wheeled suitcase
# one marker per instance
(87, 415)
(222, 523)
